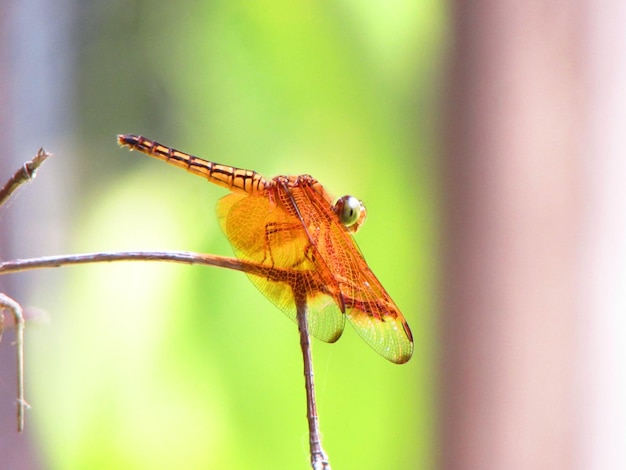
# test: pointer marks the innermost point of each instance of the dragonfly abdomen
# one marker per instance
(235, 179)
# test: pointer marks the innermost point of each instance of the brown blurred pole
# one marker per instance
(512, 233)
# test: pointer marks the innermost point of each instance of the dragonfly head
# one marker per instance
(351, 212)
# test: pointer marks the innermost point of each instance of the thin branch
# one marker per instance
(21, 176)
(24, 174)
(8, 303)
(319, 458)
(183, 257)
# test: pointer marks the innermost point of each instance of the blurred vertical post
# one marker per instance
(512, 235)
(602, 372)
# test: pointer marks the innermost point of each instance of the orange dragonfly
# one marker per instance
(290, 225)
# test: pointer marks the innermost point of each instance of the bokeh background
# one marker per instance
(136, 366)
(486, 139)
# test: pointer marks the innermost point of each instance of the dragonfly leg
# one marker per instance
(273, 232)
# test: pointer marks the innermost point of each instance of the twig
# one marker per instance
(21, 176)
(319, 459)
(24, 174)
(183, 257)
(8, 303)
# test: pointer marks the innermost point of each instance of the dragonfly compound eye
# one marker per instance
(351, 212)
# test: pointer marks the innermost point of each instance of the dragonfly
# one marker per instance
(302, 242)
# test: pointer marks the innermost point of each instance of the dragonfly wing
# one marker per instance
(261, 231)
(378, 320)
(369, 308)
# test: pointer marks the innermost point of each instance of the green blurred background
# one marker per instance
(156, 366)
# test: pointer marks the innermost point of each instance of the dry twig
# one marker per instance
(21, 176)
(24, 174)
